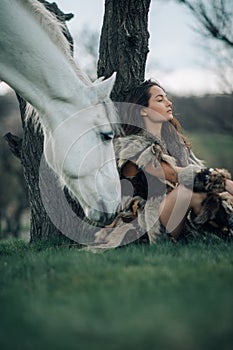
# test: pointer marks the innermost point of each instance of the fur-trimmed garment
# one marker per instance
(142, 194)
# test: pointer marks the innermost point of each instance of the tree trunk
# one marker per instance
(31, 152)
(124, 44)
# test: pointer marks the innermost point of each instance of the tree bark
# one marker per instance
(124, 44)
(31, 152)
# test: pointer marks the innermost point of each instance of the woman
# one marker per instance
(156, 158)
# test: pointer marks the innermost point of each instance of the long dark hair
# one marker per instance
(133, 122)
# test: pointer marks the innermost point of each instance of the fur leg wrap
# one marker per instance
(215, 217)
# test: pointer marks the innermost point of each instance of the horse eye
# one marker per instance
(106, 136)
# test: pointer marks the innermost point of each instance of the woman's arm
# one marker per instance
(164, 171)
(229, 186)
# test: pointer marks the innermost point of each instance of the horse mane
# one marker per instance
(56, 29)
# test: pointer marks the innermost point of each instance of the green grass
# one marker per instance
(169, 296)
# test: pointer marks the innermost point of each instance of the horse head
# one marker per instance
(80, 150)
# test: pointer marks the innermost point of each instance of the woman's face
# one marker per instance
(159, 107)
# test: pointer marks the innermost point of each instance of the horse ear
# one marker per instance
(105, 87)
(99, 80)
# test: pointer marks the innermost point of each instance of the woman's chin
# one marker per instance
(168, 118)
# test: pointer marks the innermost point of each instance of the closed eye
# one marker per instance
(106, 136)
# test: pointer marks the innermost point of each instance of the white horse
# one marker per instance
(77, 116)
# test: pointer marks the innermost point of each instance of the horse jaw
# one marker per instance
(100, 209)
(98, 187)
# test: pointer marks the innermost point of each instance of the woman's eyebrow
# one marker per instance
(160, 95)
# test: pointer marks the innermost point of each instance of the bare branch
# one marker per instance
(216, 21)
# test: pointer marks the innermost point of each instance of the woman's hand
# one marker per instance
(229, 186)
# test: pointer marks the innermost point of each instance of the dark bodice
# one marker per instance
(142, 184)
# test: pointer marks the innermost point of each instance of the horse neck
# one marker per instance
(55, 30)
(34, 66)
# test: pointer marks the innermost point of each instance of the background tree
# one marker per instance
(13, 198)
(13, 193)
(215, 22)
(88, 48)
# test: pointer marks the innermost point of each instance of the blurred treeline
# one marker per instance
(207, 121)
(13, 191)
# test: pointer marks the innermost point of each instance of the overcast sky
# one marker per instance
(175, 57)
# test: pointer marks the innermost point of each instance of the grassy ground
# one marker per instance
(170, 296)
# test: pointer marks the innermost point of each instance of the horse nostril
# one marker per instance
(108, 219)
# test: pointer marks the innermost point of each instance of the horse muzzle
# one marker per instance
(100, 217)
